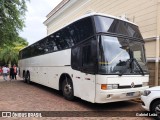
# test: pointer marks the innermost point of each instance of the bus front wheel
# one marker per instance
(67, 89)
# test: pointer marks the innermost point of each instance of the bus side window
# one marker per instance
(76, 58)
(86, 56)
(89, 57)
(81, 30)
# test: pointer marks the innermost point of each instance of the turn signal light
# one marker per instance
(104, 86)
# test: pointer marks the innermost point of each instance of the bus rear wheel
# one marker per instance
(27, 78)
(67, 89)
(24, 77)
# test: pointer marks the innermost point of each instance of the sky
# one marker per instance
(35, 16)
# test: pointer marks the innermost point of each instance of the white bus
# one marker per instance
(98, 58)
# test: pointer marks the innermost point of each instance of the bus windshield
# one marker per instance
(115, 26)
(121, 56)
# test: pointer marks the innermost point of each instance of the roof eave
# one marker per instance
(53, 14)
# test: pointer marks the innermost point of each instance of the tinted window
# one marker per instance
(105, 24)
(81, 30)
(40, 47)
(76, 58)
(26, 53)
(83, 56)
(86, 56)
(116, 54)
(20, 55)
(51, 44)
(62, 39)
(66, 36)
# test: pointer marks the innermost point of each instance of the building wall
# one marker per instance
(151, 67)
(150, 49)
(145, 13)
(159, 74)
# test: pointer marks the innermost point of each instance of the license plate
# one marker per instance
(130, 94)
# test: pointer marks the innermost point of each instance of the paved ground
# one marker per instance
(19, 96)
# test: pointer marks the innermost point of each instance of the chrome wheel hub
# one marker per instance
(67, 89)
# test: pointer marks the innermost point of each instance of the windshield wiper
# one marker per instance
(140, 68)
(128, 64)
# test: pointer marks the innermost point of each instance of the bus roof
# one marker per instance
(89, 15)
(98, 14)
(106, 15)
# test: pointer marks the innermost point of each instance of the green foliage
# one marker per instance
(9, 52)
(12, 14)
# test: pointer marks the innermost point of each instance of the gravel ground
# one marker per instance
(18, 96)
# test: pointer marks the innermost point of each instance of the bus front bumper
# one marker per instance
(106, 96)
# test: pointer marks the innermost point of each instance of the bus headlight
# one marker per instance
(109, 86)
(145, 84)
(114, 86)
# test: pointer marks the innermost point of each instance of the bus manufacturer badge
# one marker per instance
(132, 85)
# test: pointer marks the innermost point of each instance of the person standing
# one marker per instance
(5, 72)
(15, 71)
(11, 73)
(0, 70)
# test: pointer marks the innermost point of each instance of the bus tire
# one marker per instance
(67, 89)
(27, 78)
(24, 78)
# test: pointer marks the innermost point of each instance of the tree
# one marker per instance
(12, 14)
(9, 52)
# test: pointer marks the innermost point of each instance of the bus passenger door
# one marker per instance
(88, 70)
(88, 87)
(83, 59)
